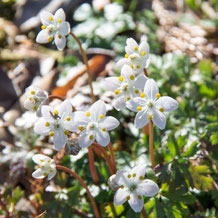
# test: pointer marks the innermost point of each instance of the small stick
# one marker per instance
(92, 165)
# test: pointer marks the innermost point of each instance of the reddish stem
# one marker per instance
(92, 165)
(94, 205)
(112, 157)
(107, 158)
(51, 97)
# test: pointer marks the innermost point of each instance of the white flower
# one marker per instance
(112, 11)
(98, 5)
(93, 124)
(54, 27)
(150, 106)
(126, 86)
(137, 56)
(35, 98)
(46, 167)
(56, 122)
(132, 187)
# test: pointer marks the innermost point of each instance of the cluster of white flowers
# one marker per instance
(132, 89)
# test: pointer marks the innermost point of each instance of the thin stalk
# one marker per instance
(51, 97)
(107, 158)
(92, 165)
(143, 212)
(85, 60)
(151, 143)
(112, 157)
(94, 205)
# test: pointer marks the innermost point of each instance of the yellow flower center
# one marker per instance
(32, 92)
(142, 95)
(143, 53)
(129, 176)
(158, 95)
(150, 117)
(50, 38)
(88, 114)
(81, 128)
(47, 124)
(43, 27)
(141, 178)
(59, 20)
(101, 116)
(139, 108)
(51, 134)
(67, 118)
(127, 99)
(136, 91)
(116, 92)
(139, 197)
(132, 77)
(126, 55)
(127, 198)
(103, 129)
(56, 112)
(136, 48)
(66, 132)
(120, 78)
(131, 66)
(50, 18)
(35, 108)
(91, 137)
(161, 109)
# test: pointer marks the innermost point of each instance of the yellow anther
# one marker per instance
(120, 78)
(129, 176)
(116, 92)
(51, 170)
(131, 66)
(50, 38)
(81, 128)
(101, 116)
(67, 118)
(91, 137)
(38, 166)
(87, 114)
(50, 18)
(134, 175)
(126, 55)
(139, 108)
(136, 91)
(56, 112)
(142, 95)
(136, 48)
(132, 77)
(44, 174)
(103, 129)
(132, 58)
(127, 198)
(32, 92)
(150, 117)
(59, 36)
(122, 186)
(47, 124)
(49, 161)
(143, 53)
(127, 99)
(30, 99)
(137, 66)
(66, 132)
(43, 27)
(35, 108)
(161, 109)
(139, 197)
(158, 95)
(51, 134)
(141, 178)
(42, 160)
(59, 20)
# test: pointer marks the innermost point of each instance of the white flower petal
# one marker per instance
(144, 46)
(38, 157)
(44, 16)
(64, 108)
(42, 36)
(120, 103)
(38, 174)
(139, 170)
(70, 125)
(46, 113)
(81, 118)
(159, 119)
(64, 28)
(59, 14)
(41, 129)
(141, 119)
(135, 203)
(84, 139)
(52, 174)
(123, 61)
(60, 41)
(28, 104)
(128, 50)
(148, 188)
(103, 138)
(133, 103)
(59, 139)
(167, 103)
(112, 83)
(97, 109)
(109, 123)
(120, 196)
(126, 72)
(131, 43)
(151, 89)
(121, 178)
(140, 81)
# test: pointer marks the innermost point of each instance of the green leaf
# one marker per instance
(214, 138)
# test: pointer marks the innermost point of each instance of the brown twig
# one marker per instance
(94, 205)
(51, 97)
(85, 60)
(92, 165)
